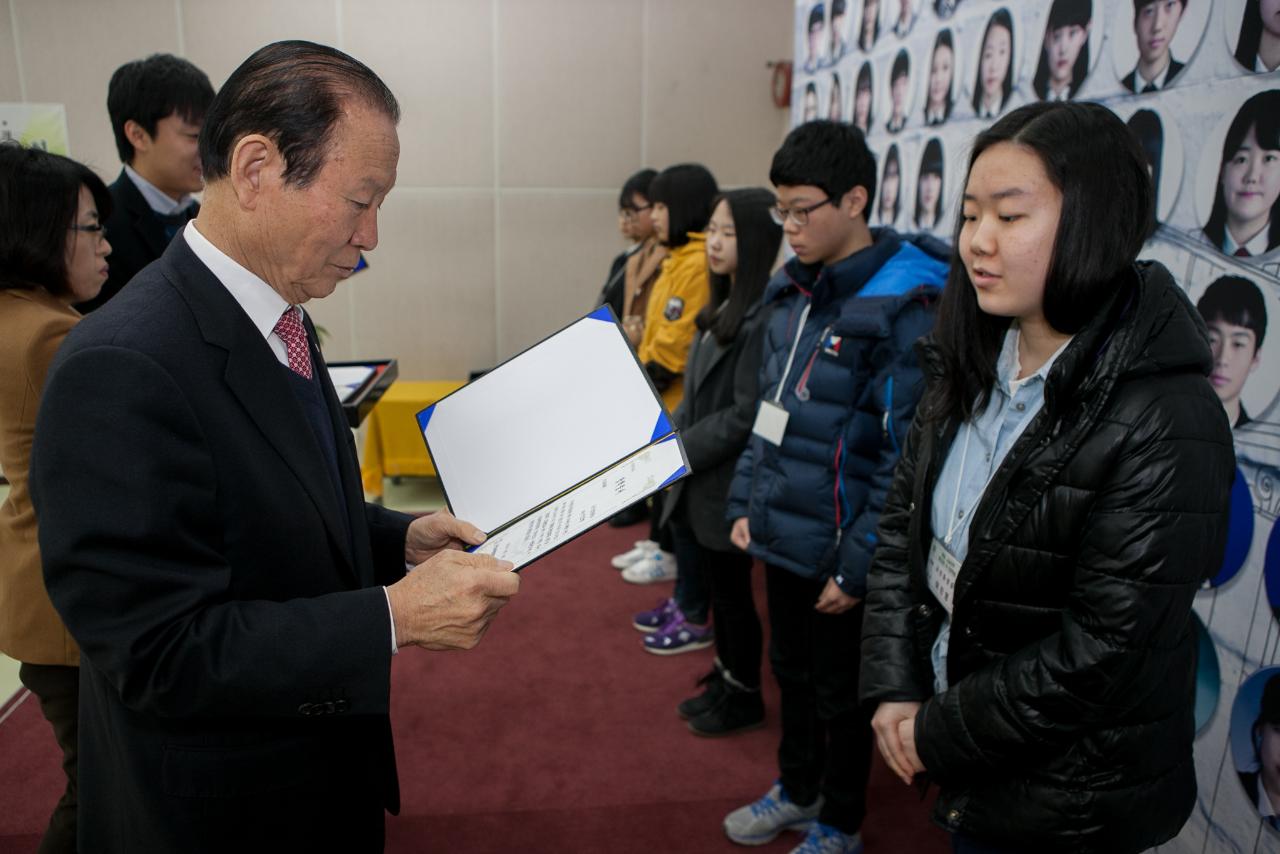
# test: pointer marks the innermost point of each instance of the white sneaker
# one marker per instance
(642, 548)
(653, 567)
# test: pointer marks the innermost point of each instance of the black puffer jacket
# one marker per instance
(1069, 721)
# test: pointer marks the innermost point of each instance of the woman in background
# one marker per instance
(1245, 218)
(1064, 59)
(53, 251)
(634, 225)
(994, 84)
(681, 196)
(715, 422)
(1061, 497)
(929, 187)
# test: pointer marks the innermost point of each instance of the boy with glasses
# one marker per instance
(839, 385)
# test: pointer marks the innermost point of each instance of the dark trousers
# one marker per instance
(826, 733)
(691, 594)
(660, 534)
(733, 609)
(58, 690)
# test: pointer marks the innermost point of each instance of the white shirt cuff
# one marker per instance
(395, 647)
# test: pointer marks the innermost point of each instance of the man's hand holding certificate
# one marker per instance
(553, 442)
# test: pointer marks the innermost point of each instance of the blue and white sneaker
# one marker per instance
(825, 839)
(760, 822)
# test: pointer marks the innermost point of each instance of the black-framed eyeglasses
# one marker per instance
(98, 230)
(800, 216)
(632, 213)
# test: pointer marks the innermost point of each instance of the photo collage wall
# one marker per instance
(1198, 84)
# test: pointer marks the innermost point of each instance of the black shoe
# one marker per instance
(739, 710)
(704, 702)
(632, 515)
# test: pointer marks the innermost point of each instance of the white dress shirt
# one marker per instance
(157, 199)
(264, 306)
(1161, 80)
(1256, 245)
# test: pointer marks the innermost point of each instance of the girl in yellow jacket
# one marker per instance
(681, 196)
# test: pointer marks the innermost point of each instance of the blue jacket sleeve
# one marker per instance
(896, 391)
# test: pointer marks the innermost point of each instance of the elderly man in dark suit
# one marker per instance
(205, 538)
(156, 106)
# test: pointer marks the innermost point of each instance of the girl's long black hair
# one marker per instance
(1107, 215)
(758, 238)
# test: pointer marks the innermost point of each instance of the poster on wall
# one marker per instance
(1198, 84)
(41, 126)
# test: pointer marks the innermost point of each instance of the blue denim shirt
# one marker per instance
(979, 448)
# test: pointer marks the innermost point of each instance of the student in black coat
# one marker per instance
(1060, 498)
(715, 417)
(157, 107)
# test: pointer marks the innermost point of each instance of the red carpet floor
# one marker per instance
(558, 733)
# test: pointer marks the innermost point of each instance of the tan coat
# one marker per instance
(32, 325)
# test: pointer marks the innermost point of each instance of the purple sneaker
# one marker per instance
(655, 618)
(679, 636)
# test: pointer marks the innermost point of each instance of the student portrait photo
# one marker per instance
(1257, 36)
(815, 42)
(1160, 142)
(940, 92)
(1244, 220)
(1236, 314)
(929, 186)
(1064, 55)
(869, 28)
(994, 83)
(864, 98)
(890, 203)
(809, 103)
(899, 92)
(835, 99)
(1255, 743)
(1155, 24)
(839, 29)
(945, 8)
(904, 16)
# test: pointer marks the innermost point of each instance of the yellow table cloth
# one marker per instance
(393, 445)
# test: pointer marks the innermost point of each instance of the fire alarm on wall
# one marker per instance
(781, 83)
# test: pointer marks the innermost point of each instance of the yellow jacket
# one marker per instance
(32, 325)
(680, 292)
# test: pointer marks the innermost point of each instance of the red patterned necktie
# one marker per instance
(1243, 253)
(289, 328)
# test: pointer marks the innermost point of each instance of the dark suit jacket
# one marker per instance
(235, 649)
(136, 235)
(1130, 80)
(721, 395)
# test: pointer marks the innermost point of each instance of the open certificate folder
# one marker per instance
(554, 441)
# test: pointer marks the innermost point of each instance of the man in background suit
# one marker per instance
(1155, 23)
(156, 106)
(204, 534)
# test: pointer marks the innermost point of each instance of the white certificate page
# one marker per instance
(590, 504)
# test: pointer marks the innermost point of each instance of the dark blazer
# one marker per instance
(1069, 718)
(235, 647)
(137, 238)
(721, 393)
(1130, 80)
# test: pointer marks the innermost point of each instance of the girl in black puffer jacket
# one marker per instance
(1061, 496)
